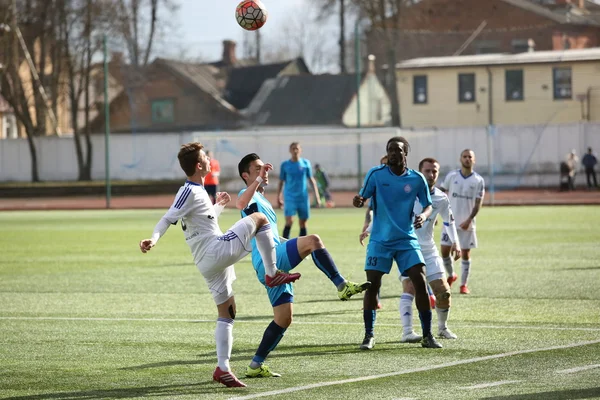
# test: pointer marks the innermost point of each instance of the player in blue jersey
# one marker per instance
(289, 253)
(294, 176)
(393, 189)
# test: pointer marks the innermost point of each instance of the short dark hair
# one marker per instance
(401, 140)
(189, 157)
(244, 164)
(429, 160)
(294, 144)
(465, 150)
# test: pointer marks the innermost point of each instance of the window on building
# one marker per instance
(466, 88)
(420, 89)
(520, 45)
(163, 111)
(514, 85)
(563, 84)
(487, 47)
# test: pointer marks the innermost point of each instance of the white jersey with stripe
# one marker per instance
(198, 216)
(441, 206)
(462, 192)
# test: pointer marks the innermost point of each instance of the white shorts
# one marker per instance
(216, 263)
(466, 239)
(434, 267)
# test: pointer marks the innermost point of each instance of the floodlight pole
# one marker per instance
(106, 124)
(357, 68)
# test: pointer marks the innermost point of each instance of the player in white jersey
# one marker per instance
(465, 189)
(214, 252)
(434, 269)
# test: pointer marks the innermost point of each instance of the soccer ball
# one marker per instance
(251, 14)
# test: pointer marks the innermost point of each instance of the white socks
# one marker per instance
(224, 339)
(448, 265)
(266, 248)
(442, 314)
(406, 313)
(466, 268)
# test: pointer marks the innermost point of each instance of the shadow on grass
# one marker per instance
(168, 391)
(357, 298)
(290, 351)
(556, 395)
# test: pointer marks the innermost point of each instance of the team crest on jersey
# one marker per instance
(407, 188)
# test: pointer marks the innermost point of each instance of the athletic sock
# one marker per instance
(266, 248)
(442, 316)
(466, 269)
(324, 262)
(286, 231)
(369, 317)
(302, 231)
(270, 340)
(406, 313)
(224, 339)
(448, 265)
(425, 317)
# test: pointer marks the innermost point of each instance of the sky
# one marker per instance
(201, 26)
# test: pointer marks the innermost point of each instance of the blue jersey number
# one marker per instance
(372, 261)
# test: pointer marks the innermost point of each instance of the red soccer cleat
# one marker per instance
(464, 289)
(281, 278)
(452, 279)
(227, 378)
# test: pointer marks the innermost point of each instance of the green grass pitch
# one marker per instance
(85, 315)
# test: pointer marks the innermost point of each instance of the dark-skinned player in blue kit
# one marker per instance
(393, 188)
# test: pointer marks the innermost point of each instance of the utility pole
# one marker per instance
(342, 37)
(15, 40)
(258, 46)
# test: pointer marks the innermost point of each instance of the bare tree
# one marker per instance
(25, 92)
(137, 24)
(344, 9)
(385, 16)
(304, 38)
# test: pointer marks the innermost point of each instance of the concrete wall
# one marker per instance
(521, 155)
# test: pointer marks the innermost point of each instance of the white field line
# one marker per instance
(577, 369)
(490, 384)
(296, 322)
(410, 371)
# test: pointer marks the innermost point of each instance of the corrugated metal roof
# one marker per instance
(535, 57)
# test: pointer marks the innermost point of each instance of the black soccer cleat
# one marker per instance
(368, 342)
(430, 342)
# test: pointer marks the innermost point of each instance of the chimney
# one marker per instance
(371, 67)
(229, 52)
(116, 57)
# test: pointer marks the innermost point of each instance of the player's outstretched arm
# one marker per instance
(146, 245)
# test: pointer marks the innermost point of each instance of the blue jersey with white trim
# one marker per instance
(295, 175)
(259, 203)
(392, 200)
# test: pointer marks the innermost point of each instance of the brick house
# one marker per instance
(434, 28)
(175, 96)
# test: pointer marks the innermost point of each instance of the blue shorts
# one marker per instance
(287, 259)
(293, 207)
(380, 258)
